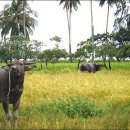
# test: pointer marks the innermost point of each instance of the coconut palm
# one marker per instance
(109, 3)
(69, 5)
(11, 19)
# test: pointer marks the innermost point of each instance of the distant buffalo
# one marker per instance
(91, 67)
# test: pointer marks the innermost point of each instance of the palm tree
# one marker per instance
(69, 5)
(11, 20)
(110, 3)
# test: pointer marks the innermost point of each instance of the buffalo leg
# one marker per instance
(15, 113)
(5, 105)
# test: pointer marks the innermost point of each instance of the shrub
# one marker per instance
(78, 106)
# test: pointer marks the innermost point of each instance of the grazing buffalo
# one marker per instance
(11, 87)
(91, 67)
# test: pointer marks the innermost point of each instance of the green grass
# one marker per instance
(57, 67)
(121, 65)
(67, 67)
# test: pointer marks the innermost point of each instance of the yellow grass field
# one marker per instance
(105, 87)
(108, 89)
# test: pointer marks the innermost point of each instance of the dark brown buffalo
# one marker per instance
(91, 67)
(11, 87)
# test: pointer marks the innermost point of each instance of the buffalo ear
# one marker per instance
(10, 64)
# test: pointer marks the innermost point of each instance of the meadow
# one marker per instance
(61, 97)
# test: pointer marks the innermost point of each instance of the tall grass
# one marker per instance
(69, 99)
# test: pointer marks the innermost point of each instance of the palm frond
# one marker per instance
(11, 19)
(69, 4)
(102, 2)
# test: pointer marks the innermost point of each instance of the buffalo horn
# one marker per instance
(29, 63)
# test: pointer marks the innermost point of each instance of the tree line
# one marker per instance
(19, 21)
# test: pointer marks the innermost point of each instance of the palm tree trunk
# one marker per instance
(24, 20)
(92, 30)
(68, 13)
(70, 53)
(107, 18)
(108, 10)
(4, 35)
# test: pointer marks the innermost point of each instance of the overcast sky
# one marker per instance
(52, 21)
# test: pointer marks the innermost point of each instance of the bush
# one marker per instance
(78, 106)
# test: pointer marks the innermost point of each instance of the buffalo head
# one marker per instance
(18, 67)
(99, 66)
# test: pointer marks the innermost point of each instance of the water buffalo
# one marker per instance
(91, 67)
(11, 88)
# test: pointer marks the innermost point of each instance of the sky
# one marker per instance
(52, 22)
